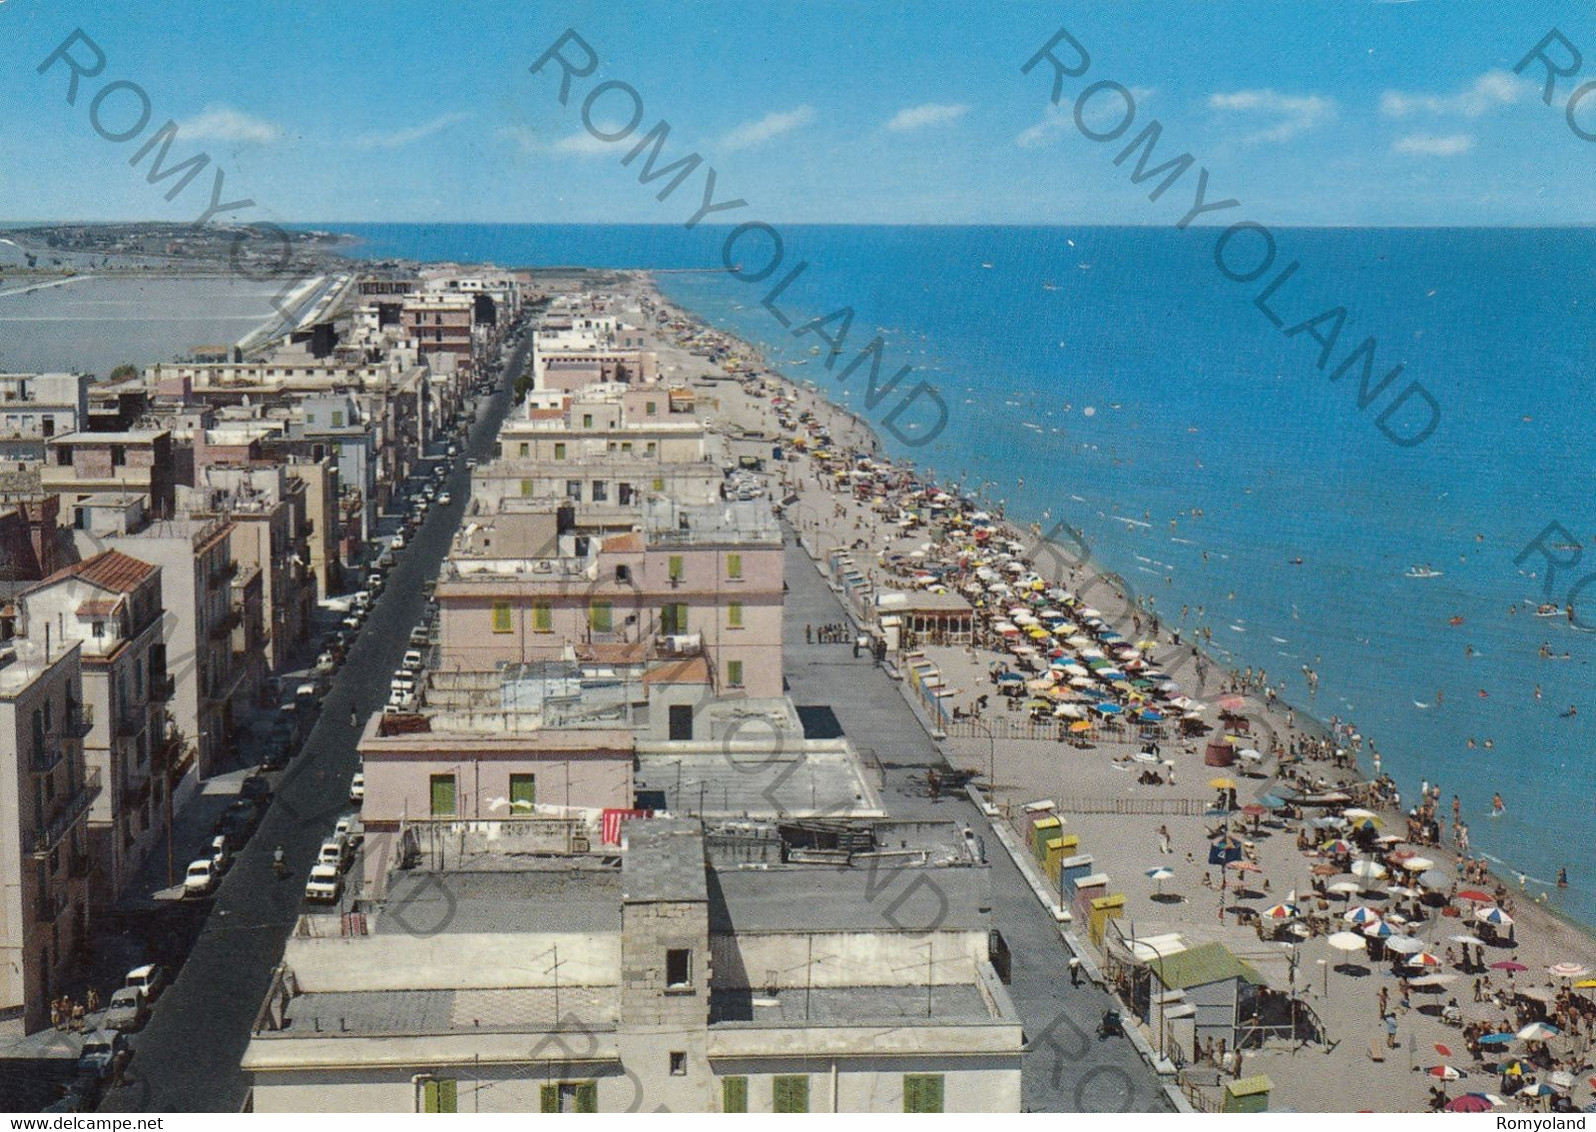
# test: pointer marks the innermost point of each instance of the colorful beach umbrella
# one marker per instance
(1502, 1039)
(1338, 847)
(1379, 930)
(1474, 895)
(1362, 914)
(1493, 915)
(1568, 970)
(1423, 959)
(1280, 912)
(1468, 1102)
(1538, 1032)
(1446, 1073)
(1508, 965)
(1368, 870)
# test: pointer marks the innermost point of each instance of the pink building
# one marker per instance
(704, 580)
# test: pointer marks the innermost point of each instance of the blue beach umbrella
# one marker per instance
(1108, 709)
(1498, 1039)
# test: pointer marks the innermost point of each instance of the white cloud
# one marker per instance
(1490, 90)
(1058, 119)
(585, 144)
(1295, 113)
(394, 139)
(223, 123)
(930, 114)
(1430, 145)
(770, 126)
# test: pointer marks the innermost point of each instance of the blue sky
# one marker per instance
(1358, 112)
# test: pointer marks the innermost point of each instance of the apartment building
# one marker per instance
(46, 794)
(34, 407)
(83, 463)
(727, 969)
(691, 581)
(109, 606)
(195, 557)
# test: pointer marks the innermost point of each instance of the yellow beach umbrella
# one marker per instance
(1222, 783)
(1081, 725)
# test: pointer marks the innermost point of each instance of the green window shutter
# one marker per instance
(673, 617)
(559, 451)
(526, 487)
(523, 793)
(542, 617)
(429, 1093)
(922, 1092)
(549, 1098)
(442, 795)
(448, 1100)
(600, 617)
(734, 1094)
(790, 1094)
(676, 567)
(734, 673)
(502, 622)
(659, 484)
(734, 614)
(587, 1096)
(734, 565)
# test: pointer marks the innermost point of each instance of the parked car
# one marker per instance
(419, 637)
(127, 1010)
(255, 789)
(150, 978)
(398, 542)
(326, 884)
(400, 702)
(221, 853)
(412, 661)
(326, 663)
(354, 619)
(200, 878)
(276, 754)
(334, 851)
(238, 821)
(357, 788)
(351, 828)
(443, 499)
(99, 1051)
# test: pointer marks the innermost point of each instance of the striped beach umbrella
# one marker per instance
(1362, 914)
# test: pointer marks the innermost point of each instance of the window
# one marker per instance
(443, 795)
(601, 491)
(570, 1096)
(440, 1096)
(573, 490)
(653, 409)
(789, 1094)
(678, 1063)
(99, 629)
(526, 487)
(623, 574)
(734, 566)
(922, 1092)
(673, 617)
(542, 617)
(559, 450)
(675, 567)
(523, 793)
(338, 422)
(734, 615)
(587, 420)
(678, 967)
(659, 484)
(734, 674)
(526, 448)
(502, 622)
(648, 449)
(734, 1094)
(601, 617)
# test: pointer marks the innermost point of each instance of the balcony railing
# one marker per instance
(67, 811)
(223, 575)
(81, 721)
(129, 724)
(226, 624)
(46, 753)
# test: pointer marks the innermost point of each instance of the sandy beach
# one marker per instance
(1134, 812)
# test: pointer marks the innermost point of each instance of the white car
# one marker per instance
(200, 878)
(400, 702)
(326, 663)
(326, 884)
(412, 661)
(443, 499)
(149, 978)
(398, 542)
(334, 851)
(357, 788)
(350, 826)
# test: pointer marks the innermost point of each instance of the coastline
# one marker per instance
(1542, 929)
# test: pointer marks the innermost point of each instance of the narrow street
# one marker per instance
(1067, 1068)
(187, 1058)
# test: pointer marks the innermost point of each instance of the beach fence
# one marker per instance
(1171, 807)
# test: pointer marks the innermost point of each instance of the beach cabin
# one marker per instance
(1222, 989)
(1101, 910)
(1247, 1094)
(1070, 870)
(1058, 848)
(1044, 828)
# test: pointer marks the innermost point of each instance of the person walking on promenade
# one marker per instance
(1163, 840)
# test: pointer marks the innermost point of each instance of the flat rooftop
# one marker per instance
(868, 896)
(667, 522)
(664, 861)
(852, 1006)
(801, 778)
(417, 1012)
(502, 901)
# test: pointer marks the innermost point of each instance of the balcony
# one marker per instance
(129, 724)
(65, 812)
(679, 646)
(221, 577)
(81, 721)
(162, 688)
(226, 624)
(46, 754)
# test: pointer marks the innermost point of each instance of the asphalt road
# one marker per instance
(187, 1057)
(1067, 1068)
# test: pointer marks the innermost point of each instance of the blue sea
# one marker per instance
(1117, 380)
